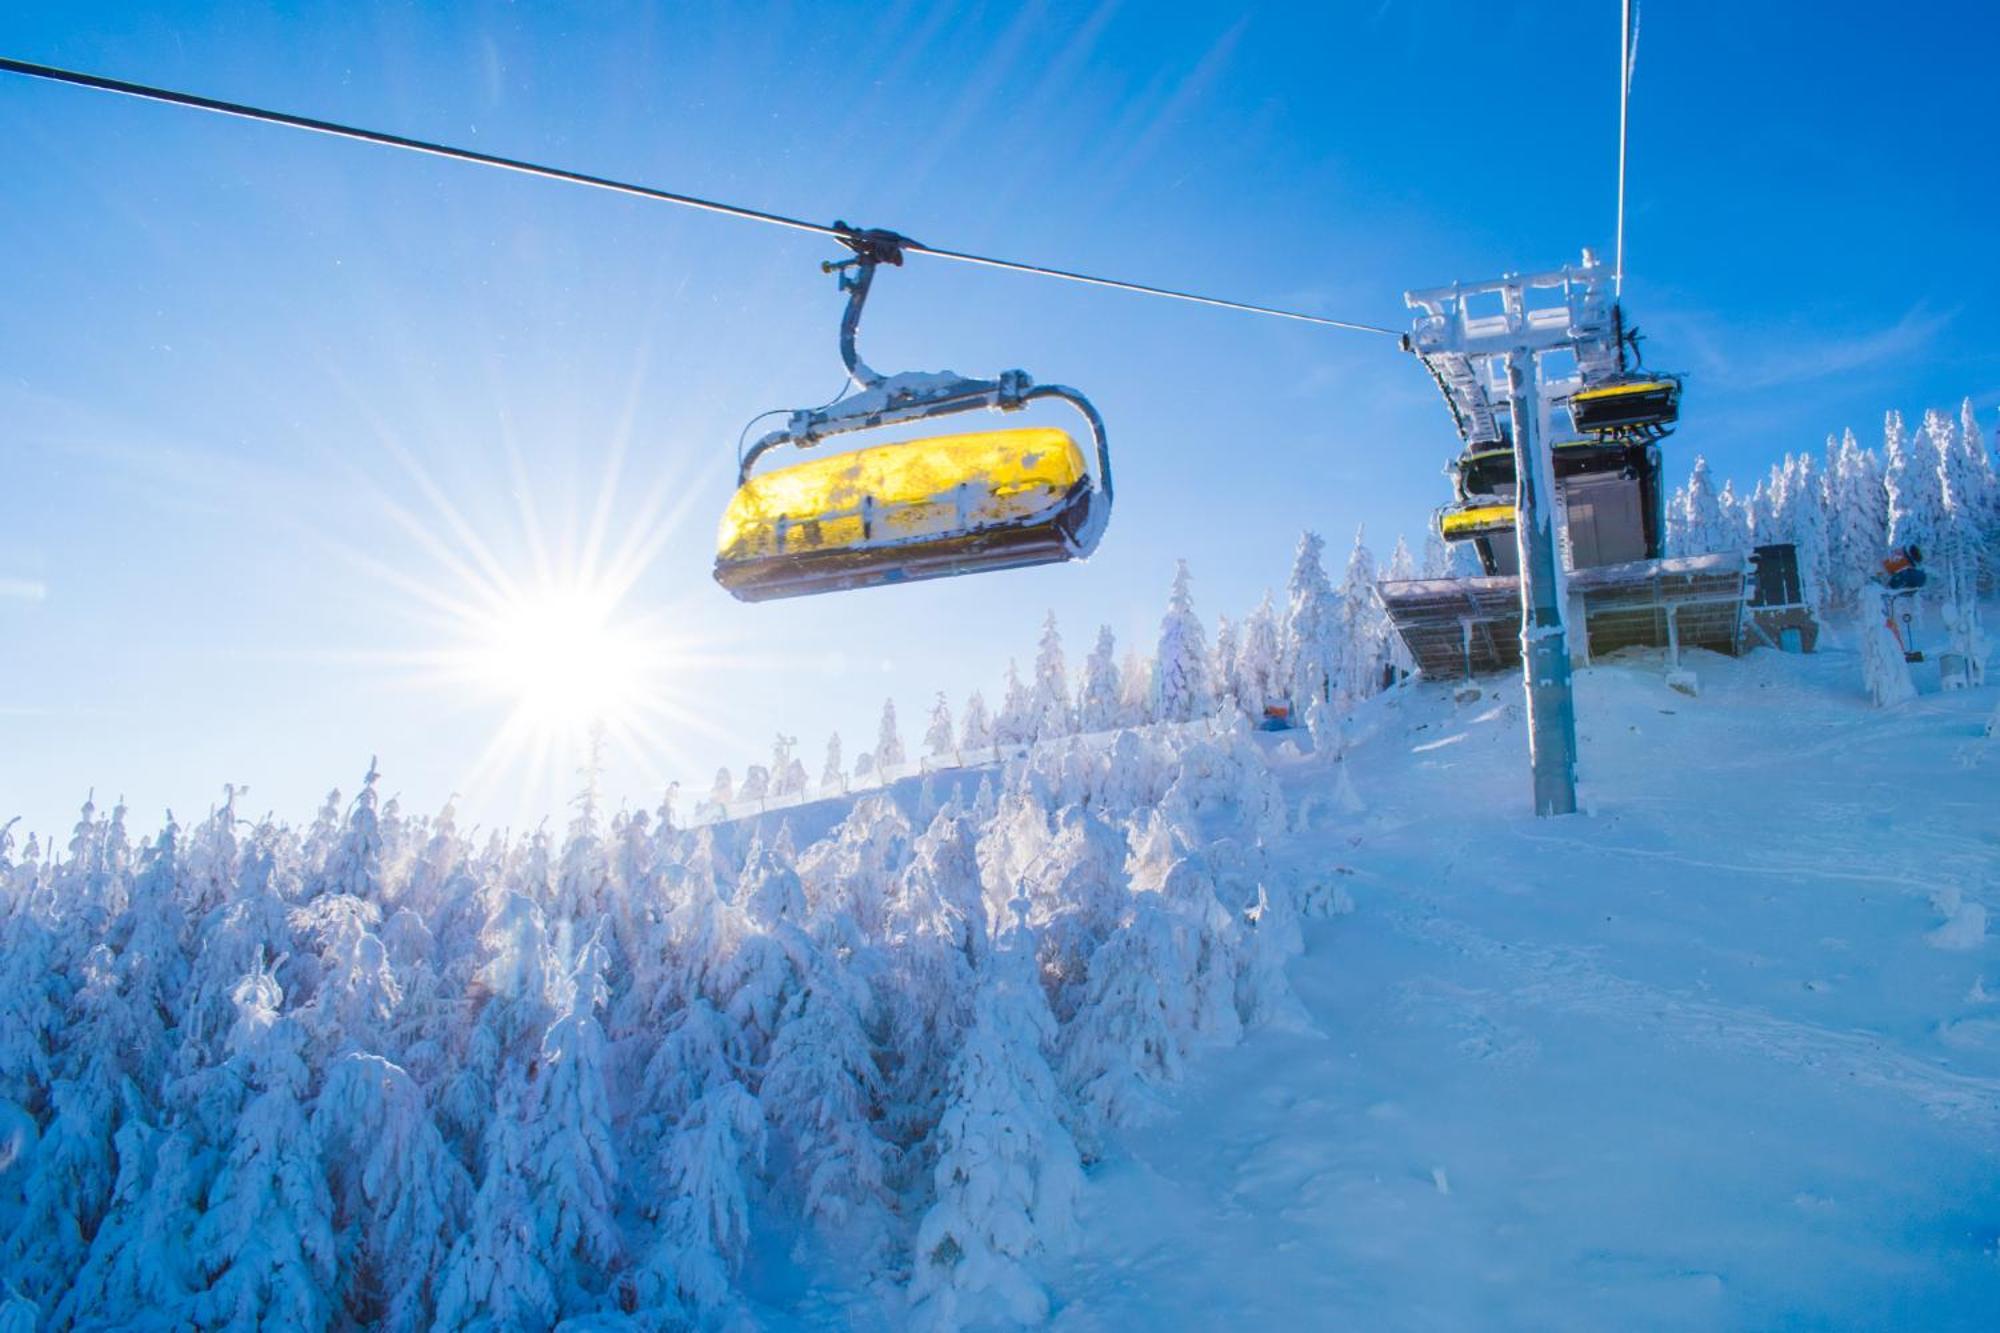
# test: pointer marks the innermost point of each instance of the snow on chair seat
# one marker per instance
(916, 509)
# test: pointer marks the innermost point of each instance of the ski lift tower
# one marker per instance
(1505, 353)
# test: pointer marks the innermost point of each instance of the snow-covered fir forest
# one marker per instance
(380, 1070)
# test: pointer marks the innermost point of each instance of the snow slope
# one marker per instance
(1038, 1043)
(1719, 1053)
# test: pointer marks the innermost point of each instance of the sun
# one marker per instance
(563, 659)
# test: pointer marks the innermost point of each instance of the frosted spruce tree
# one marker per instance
(1964, 505)
(398, 1195)
(1259, 678)
(1308, 661)
(1097, 706)
(1053, 717)
(939, 743)
(1364, 627)
(832, 774)
(1182, 690)
(975, 734)
(1007, 1172)
(889, 757)
(1704, 526)
(1016, 724)
(265, 1240)
(1859, 526)
(1222, 666)
(1910, 476)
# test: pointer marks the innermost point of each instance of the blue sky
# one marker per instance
(264, 394)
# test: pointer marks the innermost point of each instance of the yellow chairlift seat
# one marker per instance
(1626, 405)
(1457, 525)
(916, 509)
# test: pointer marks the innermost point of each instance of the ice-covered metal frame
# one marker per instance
(889, 400)
(1464, 350)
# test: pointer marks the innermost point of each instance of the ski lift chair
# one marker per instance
(1641, 405)
(916, 509)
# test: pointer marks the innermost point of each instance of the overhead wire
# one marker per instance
(381, 138)
(1628, 55)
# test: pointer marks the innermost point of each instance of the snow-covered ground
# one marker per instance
(1039, 1044)
(1719, 1053)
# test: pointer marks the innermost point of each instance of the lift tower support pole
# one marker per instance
(1493, 368)
(1544, 637)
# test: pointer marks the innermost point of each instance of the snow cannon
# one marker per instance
(913, 509)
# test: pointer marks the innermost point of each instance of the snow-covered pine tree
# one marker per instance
(1910, 475)
(889, 758)
(1016, 724)
(756, 784)
(1437, 560)
(1963, 505)
(1097, 705)
(1182, 690)
(1259, 678)
(1706, 528)
(398, 1194)
(975, 735)
(939, 742)
(1984, 495)
(1401, 565)
(820, 1089)
(1135, 689)
(1007, 1172)
(1222, 668)
(1860, 523)
(1677, 523)
(1053, 717)
(1364, 626)
(498, 1272)
(265, 1240)
(1307, 655)
(1803, 522)
(832, 775)
(572, 1158)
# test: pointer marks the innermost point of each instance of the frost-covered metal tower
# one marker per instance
(1504, 352)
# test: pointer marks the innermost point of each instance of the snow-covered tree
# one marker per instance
(398, 1194)
(939, 742)
(1858, 536)
(888, 741)
(1364, 627)
(1703, 523)
(820, 1090)
(832, 776)
(1308, 655)
(1910, 476)
(1222, 666)
(1016, 724)
(1437, 560)
(1135, 689)
(265, 1241)
(1097, 706)
(975, 734)
(1053, 717)
(1182, 690)
(573, 1161)
(1259, 676)
(1007, 1172)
